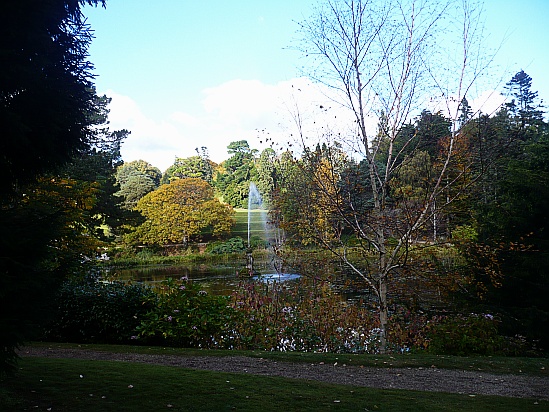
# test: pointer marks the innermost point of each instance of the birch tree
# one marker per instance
(383, 61)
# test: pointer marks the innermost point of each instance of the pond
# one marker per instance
(215, 279)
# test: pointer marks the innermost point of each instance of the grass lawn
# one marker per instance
(256, 223)
(84, 385)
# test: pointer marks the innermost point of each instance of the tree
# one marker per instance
(379, 59)
(198, 166)
(45, 86)
(46, 106)
(136, 179)
(137, 186)
(266, 174)
(233, 179)
(98, 165)
(519, 220)
(523, 108)
(181, 210)
(128, 169)
(510, 261)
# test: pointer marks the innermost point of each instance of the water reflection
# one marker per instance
(217, 280)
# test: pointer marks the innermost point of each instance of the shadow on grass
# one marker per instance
(84, 385)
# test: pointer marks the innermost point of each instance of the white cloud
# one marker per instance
(243, 110)
(487, 102)
(235, 110)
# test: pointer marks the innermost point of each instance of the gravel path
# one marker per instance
(423, 379)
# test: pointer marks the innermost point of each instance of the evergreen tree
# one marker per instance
(233, 179)
(526, 112)
(465, 112)
(511, 262)
(46, 106)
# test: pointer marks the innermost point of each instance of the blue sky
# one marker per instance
(184, 74)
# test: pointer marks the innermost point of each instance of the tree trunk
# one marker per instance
(383, 315)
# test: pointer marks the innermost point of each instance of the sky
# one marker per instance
(186, 74)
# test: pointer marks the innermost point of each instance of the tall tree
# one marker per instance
(526, 112)
(199, 166)
(46, 102)
(142, 167)
(266, 174)
(511, 216)
(380, 59)
(98, 165)
(45, 86)
(233, 179)
(136, 179)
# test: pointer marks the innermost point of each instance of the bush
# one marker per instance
(90, 311)
(304, 316)
(233, 245)
(464, 335)
(186, 316)
(256, 242)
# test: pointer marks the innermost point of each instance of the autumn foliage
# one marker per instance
(178, 211)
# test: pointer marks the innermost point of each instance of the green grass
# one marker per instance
(84, 385)
(241, 227)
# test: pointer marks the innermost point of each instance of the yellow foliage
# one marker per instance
(179, 210)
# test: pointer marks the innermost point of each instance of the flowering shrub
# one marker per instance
(300, 316)
(184, 315)
(304, 315)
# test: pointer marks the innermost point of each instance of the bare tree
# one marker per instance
(384, 60)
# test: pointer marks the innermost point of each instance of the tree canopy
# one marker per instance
(46, 94)
(48, 110)
(177, 211)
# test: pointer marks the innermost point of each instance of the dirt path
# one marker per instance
(423, 379)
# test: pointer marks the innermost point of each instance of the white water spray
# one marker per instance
(255, 202)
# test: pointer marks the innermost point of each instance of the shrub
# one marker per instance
(233, 245)
(90, 311)
(464, 335)
(185, 316)
(256, 242)
(407, 330)
(303, 316)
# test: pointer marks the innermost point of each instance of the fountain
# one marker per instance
(256, 208)
(255, 201)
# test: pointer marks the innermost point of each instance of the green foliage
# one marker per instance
(233, 245)
(257, 242)
(524, 108)
(511, 214)
(185, 316)
(267, 178)
(465, 335)
(45, 84)
(45, 239)
(136, 179)
(47, 114)
(233, 179)
(199, 167)
(140, 167)
(91, 311)
(136, 186)
(465, 233)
